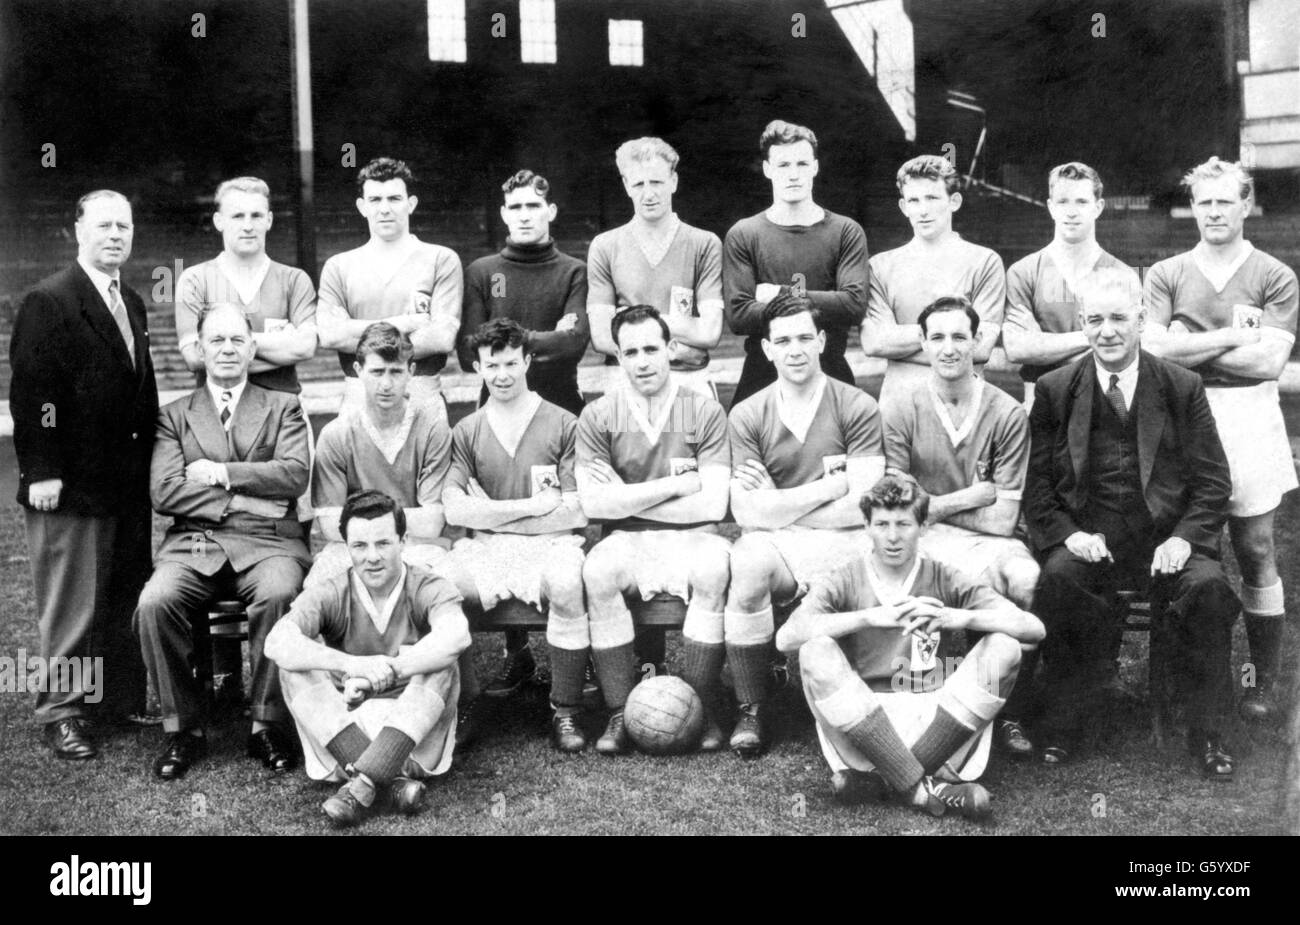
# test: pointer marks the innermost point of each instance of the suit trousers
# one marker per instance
(172, 615)
(87, 573)
(1078, 603)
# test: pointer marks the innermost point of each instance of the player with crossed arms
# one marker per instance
(512, 485)
(803, 450)
(653, 465)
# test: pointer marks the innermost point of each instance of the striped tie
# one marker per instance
(226, 397)
(118, 311)
(1116, 399)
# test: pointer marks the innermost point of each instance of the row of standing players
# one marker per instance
(1222, 302)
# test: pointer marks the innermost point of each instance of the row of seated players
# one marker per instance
(657, 465)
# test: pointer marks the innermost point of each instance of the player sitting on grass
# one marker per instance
(512, 485)
(803, 449)
(389, 640)
(896, 709)
(653, 466)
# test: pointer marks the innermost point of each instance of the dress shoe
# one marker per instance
(970, 801)
(273, 748)
(1213, 759)
(406, 795)
(747, 738)
(183, 749)
(518, 668)
(353, 804)
(1055, 754)
(613, 741)
(1256, 705)
(850, 787)
(566, 734)
(1010, 737)
(70, 739)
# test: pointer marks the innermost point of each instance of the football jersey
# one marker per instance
(1262, 293)
(543, 458)
(883, 656)
(349, 459)
(905, 280)
(1036, 283)
(690, 433)
(991, 445)
(690, 273)
(284, 296)
(846, 425)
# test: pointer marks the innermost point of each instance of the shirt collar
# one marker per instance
(236, 391)
(379, 616)
(1128, 377)
(99, 278)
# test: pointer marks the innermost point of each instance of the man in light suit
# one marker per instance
(83, 400)
(229, 462)
(1128, 487)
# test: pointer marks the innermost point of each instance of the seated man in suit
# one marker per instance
(368, 664)
(652, 464)
(1128, 488)
(898, 707)
(229, 462)
(512, 484)
(967, 444)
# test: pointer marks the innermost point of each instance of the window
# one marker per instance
(537, 31)
(625, 44)
(447, 30)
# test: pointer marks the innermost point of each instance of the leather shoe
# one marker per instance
(183, 749)
(566, 734)
(614, 739)
(406, 795)
(1214, 761)
(1256, 705)
(70, 739)
(748, 738)
(1010, 738)
(273, 748)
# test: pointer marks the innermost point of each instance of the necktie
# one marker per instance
(1116, 399)
(118, 311)
(227, 397)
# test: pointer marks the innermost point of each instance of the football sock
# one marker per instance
(382, 761)
(348, 745)
(941, 738)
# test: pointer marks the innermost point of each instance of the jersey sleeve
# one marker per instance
(448, 285)
(436, 600)
(329, 482)
(708, 271)
(302, 299)
(1020, 286)
(473, 313)
(331, 285)
(1158, 293)
(880, 305)
(318, 610)
(592, 438)
(714, 448)
(600, 274)
(190, 300)
(739, 283)
(847, 304)
(1009, 450)
(742, 428)
(897, 424)
(434, 465)
(959, 590)
(462, 457)
(1280, 301)
(568, 452)
(989, 292)
(861, 425)
(828, 593)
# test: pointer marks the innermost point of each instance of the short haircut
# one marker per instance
(1112, 282)
(243, 185)
(950, 303)
(526, 178)
(1075, 170)
(778, 132)
(383, 169)
(369, 504)
(1215, 168)
(638, 314)
(500, 334)
(785, 304)
(386, 342)
(212, 308)
(640, 150)
(893, 493)
(98, 194)
(929, 167)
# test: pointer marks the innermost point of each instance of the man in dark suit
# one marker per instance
(1128, 488)
(229, 462)
(83, 400)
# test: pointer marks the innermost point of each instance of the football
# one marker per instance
(664, 716)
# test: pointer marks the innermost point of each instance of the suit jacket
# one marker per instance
(266, 456)
(1185, 477)
(81, 412)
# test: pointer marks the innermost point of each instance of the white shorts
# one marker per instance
(809, 552)
(982, 556)
(423, 390)
(1255, 441)
(504, 565)
(333, 559)
(662, 559)
(910, 714)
